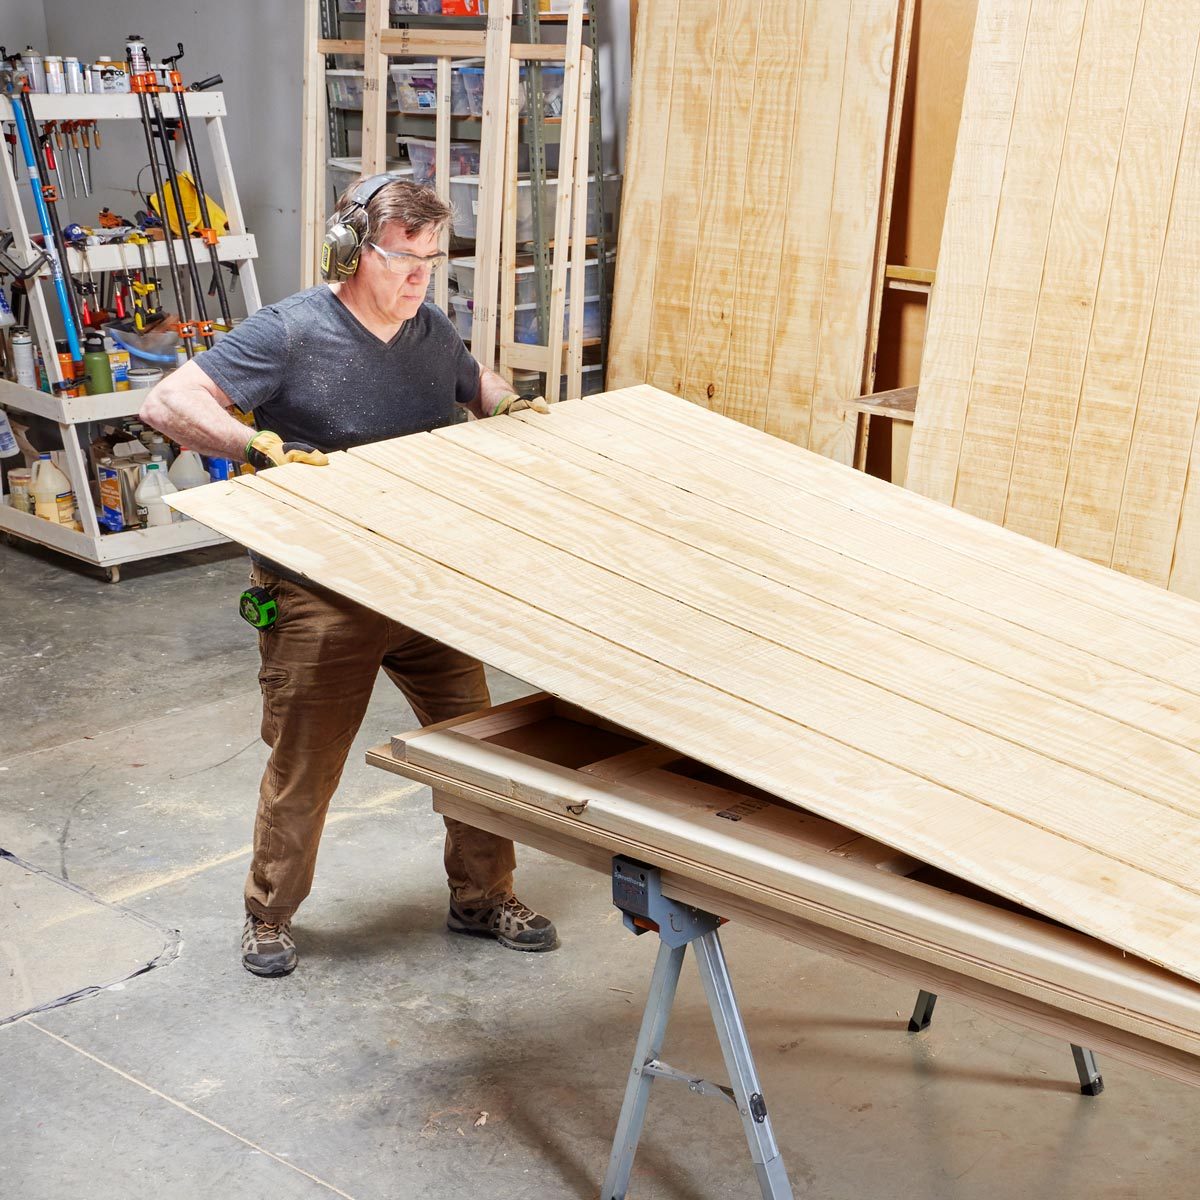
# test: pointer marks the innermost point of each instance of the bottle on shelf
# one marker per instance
(53, 499)
(149, 497)
(188, 471)
(96, 365)
(8, 440)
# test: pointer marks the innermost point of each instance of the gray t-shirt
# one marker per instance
(311, 372)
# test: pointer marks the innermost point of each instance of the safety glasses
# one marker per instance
(409, 264)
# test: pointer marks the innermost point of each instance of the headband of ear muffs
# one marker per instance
(342, 246)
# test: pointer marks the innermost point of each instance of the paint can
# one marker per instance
(22, 347)
(109, 78)
(73, 73)
(56, 79)
(144, 377)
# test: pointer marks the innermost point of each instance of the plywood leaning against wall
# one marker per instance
(1012, 715)
(1061, 380)
(751, 219)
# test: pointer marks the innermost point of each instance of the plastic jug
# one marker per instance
(188, 471)
(53, 499)
(152, 508)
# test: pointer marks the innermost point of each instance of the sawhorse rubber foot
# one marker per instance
(1091, 1082)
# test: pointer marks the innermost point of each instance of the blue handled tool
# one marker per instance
(44, 197)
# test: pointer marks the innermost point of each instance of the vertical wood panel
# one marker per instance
(1133, 258)
(641, 202)
(757, 287)
(965, 255)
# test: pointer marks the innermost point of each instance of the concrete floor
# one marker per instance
(129, 761)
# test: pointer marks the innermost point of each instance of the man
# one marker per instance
(358, 360)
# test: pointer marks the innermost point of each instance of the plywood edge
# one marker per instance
(983, 995)
(1019, 953)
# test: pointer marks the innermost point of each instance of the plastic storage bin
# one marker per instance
(525, 324)
(422, 154)
(464, 195)
(415, 85)
(398, 8)
(552, 89)
(463, 273)
(340, 173)
(529, 383)
(345, 87)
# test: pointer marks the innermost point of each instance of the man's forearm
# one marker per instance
(190, 416)
(492, 389)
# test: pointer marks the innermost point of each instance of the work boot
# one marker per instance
(267, 946)
(508, 921)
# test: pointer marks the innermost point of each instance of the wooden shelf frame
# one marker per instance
(238, 245)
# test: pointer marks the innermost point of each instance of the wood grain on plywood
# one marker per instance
(1059, 388)
(1034, 782)
(751, 218)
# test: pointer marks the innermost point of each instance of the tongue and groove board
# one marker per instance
(758, 162)
(1061, 379)
(1022, 719)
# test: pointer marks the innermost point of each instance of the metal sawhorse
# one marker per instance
(1091, 1082)
(637, 892)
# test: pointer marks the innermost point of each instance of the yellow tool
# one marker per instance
(146, 312)
(191, 209)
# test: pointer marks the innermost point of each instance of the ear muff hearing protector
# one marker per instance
(342, 246)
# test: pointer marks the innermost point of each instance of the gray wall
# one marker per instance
(22, 23)
(257, 46)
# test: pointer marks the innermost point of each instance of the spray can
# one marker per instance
(56, 79)
(73, 73)
(137, 55)
(6, 314)
(22, 346)
(34, 67)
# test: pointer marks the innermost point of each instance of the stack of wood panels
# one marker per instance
(756, 193)
(1012, 715)
(1060, 386)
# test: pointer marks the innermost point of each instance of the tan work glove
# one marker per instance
(514, 403)
(268, 449)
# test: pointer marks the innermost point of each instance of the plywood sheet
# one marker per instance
(1013, 715)
(1061, 381)
(752, 208)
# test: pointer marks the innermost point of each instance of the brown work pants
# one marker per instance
(319, 666)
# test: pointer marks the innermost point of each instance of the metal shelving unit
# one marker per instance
(108, 550)
(538, 133)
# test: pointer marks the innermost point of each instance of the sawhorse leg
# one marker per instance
(637, 890)
(1091, 1082)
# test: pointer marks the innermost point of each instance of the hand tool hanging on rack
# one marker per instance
(208, 235)
(72, 132)
(45, 199)
(56, 149)
(47, 140)
(142, 83)
(138, 55)
(146, 313)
